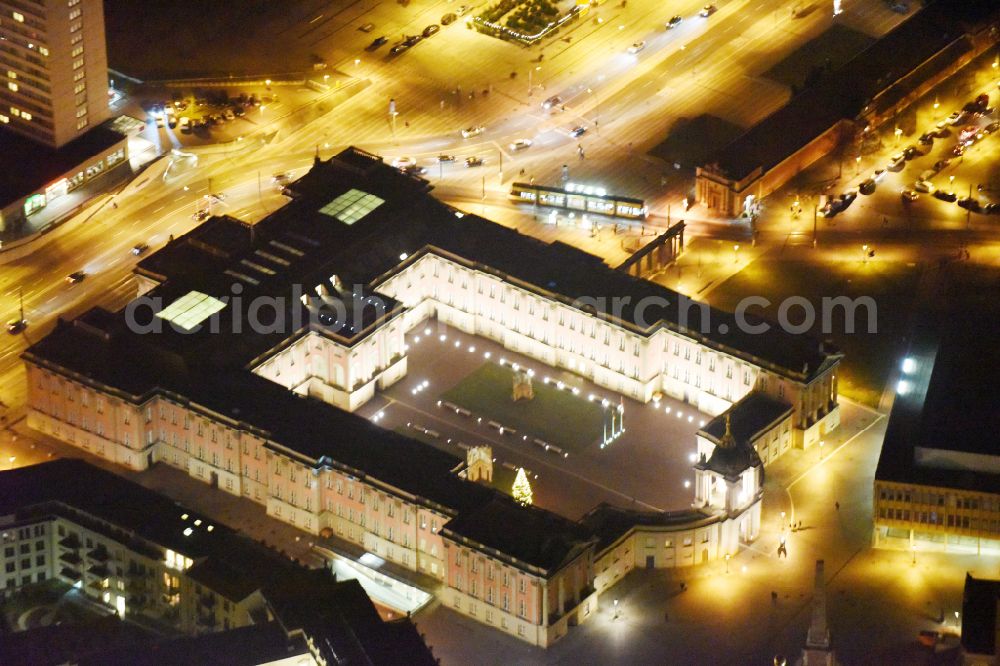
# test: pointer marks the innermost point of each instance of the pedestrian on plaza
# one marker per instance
(837, 505)
(774, 597)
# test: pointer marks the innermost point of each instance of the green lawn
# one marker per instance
(555, 416)
(868, 356)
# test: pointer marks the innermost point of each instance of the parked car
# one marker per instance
(674, 22)
(552, 102)
(76, 278)
(867, 186)
(992, 127)
(399, 48)
(970, 204)
(367, 27)
(476, 130)
(941, 164)
(139, 248)
(636, 47)
(185, 124)
(578, 131)
(926, 139)
(924, 186)
(445, 158)
(15, 326)
(403, 162)
(958, 150)
(992, 209)
(463, 10)
(412, 40)
(909, 195)
(201, 215)
(912, 151)
(448, 18)
(878, 175)
(945, 196)
(896, 162)
(228, 114)
(520, 144)
(377, 42)
(430, 30)
(473, 161)
(708, 10)
(239, 112)
(983, 101)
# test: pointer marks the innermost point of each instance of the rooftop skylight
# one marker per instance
(351, 206)
(191, 309)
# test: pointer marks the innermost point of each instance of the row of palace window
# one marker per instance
(939, 499)
(934, 518)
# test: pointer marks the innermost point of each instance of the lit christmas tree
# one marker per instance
(521, 489)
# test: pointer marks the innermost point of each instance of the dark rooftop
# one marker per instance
(948, 395)
(28, 165)
(246, 646)
(980, 608)
(609, 523)
(529, 534)
(845, 93)
(338, 615)
(756, 412)
(299, 245)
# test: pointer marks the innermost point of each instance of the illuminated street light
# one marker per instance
(736, 253)
(936, 103)
(727, 562)
(913, 550)
(857, 165)
(951, 181)
(898, 132)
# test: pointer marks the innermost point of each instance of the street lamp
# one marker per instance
(727, 562)
(936, 103)
(898, 132)
(951, 181)
(736, 253)
(913, 551)
(616, 610)
(857, 165)
(864, 254)
(821, 443)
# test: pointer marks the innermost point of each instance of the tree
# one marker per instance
(521, 489)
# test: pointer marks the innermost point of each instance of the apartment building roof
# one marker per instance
(339, 616)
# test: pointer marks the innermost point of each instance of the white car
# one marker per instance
(520, 144)
(924, 186)
(636, 47)
(403, 162)
(473, 131)
(956, 118)
(707, 11)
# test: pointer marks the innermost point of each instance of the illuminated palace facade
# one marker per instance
(266, 413)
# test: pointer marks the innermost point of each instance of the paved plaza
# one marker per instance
(645, 468)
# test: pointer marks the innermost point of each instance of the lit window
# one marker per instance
(19, 17)
(26, 116)
(78, 63)
(44, 51)
(11, 74)
(4, 119)
(12, 86)
(81, 112)
(80, 124)
(14, 111)
(77, 51)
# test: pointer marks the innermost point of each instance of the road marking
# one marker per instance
(157, 210)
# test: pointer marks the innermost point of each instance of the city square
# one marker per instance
(426, 388)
